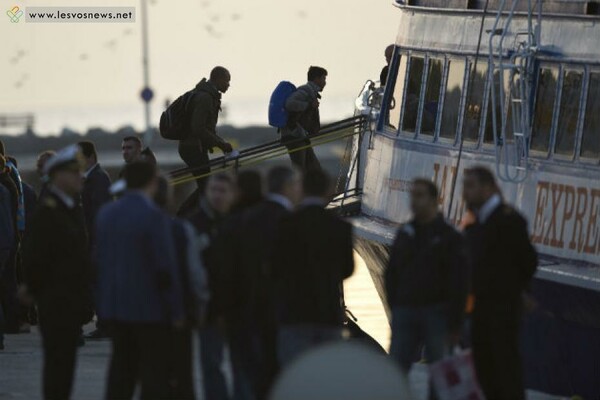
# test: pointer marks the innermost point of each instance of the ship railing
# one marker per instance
(511, 79)
(259, 154)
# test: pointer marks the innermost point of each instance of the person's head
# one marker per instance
(42, 160)
(318, 183)
(131, 148)
(148, 156)
(424, 200)
(285, 181)
(163, 195)
(318, 76)
(88, 149)
(221, 78)
(249, 189)
(64, 170)
(141, 176)
(220, 192)
(479, 184)
(389, 52)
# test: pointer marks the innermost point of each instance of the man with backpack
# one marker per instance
(304, 120)
(202, 110)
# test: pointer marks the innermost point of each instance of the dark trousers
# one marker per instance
(9, 301)
(304, 159)
(212, 354)
(196, 158)
(60, 341)
(182, 381)
(254, 359)
(498, 364)
(140, 352)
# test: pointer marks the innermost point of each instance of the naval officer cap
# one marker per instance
(67, 158)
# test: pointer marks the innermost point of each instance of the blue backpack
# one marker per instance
(278, 115)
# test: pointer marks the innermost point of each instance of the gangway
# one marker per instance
(256, 155)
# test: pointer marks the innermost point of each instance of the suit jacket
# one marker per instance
(138, 277)
(57, 263)
(313, 256)
(96, 193)
(503, 260)
(245, 251)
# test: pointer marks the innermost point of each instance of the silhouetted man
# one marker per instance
(304, 120)
(313, 255)
(247, 253)
(96, 186)
(58, 272)
(96, 193)
(140, 292)
(202, 138)
(426, 281)
(208, 221)
(504, 262)
(389, 52)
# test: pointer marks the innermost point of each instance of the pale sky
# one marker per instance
(83, 74)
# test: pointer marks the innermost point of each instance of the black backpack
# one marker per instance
(175, 120)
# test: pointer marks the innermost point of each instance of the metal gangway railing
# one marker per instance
(256, 155)
(511, 79)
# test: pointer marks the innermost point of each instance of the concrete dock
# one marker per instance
(20, 363)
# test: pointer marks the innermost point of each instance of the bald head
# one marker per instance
(221, 78)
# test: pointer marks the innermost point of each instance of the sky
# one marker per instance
(82, 75)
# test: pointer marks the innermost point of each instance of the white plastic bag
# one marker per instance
(454, 378)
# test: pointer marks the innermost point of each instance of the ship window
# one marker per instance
(544, 109)
(475, 102)
(501, 115)
(394, 105)
(432, 96)
(413, 94)
(569, 111)
(454, 90)
(590, 147)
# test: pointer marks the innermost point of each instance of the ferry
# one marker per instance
(515, 86)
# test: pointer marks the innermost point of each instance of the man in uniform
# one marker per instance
(57, 268)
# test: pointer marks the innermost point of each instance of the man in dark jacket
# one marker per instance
(57, 267)
(304, 120)
(96, 193)
(96, 187)
(208, 221)
(503, 263)
(245, 252)
(313, 255)
(202, 138)
(7, 241)
(426, 281)
(140, 292)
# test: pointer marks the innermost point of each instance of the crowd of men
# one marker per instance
(254, 264)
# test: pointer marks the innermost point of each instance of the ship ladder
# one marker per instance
(511, 80)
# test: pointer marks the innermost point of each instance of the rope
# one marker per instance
(469, 95)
